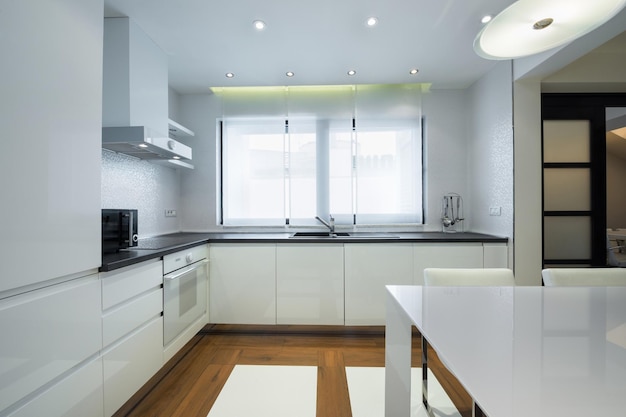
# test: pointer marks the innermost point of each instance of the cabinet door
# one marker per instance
(368, 268)
(309, 284)
(243, 283)
(495, 255)
(446, 255)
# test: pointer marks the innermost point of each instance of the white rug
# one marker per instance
(367, 393)
(289, 391)
(268, 391)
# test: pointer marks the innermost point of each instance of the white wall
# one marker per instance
(490, 154)
(446, 153)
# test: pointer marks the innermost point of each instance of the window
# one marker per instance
(287, 169)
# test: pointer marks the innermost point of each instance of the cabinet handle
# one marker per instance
(186, 270)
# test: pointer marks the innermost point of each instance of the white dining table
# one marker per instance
(517, 351)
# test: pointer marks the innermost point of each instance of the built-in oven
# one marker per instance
(185, 283)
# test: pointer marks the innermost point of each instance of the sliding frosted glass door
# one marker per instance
(567, 191)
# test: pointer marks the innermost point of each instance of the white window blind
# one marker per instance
(290, 154)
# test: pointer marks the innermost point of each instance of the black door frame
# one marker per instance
(592, 107)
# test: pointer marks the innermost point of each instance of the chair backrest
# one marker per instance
(584, 277)
(490, 277)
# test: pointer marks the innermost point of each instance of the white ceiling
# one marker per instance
(319, 40)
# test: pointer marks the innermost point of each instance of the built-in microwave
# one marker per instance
(119, 229)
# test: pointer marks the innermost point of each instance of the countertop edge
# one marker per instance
(129, 257)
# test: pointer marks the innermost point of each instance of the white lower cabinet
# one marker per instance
(446, 255)
(46, 335)
(128, 364)
(495, 255)
(132, 324)
(243, 283)
(368, 268)
(309, 284)
(77, 395)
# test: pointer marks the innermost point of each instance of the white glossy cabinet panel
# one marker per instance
(122, 320)
(446, 255)
(495, 255)
(130, 363)
(243, 283)
(45, 333)
(53, 119)
(123, 284)
(368, 268)
(78, 395)
(309, 284)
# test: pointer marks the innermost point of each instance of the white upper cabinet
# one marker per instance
(51, 117)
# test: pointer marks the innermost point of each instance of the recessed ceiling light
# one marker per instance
(289, 74)
(372, 21)
(176, 157)
(143, 145)
(414, 71)
(229, 75)
(529, 27)
(259, 24)
(486, 19)
(351, 72)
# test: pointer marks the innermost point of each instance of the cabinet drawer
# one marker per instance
(78, 395)
(45, 333)
(129, 364)
(126, 283)
(122, 320)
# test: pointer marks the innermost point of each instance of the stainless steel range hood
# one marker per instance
(135, 97)
(143, 143)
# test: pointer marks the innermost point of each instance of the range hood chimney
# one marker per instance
(135, 96)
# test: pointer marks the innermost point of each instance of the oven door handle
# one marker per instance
(186, 270)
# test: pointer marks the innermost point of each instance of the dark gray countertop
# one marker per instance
(159, 246)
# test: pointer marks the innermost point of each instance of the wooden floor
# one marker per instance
(189, 384)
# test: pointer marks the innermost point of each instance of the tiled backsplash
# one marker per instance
(150, 188)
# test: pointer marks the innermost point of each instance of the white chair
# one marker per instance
(584, 277)
(491, 277)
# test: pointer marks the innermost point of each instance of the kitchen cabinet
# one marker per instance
(77, 395)
(132, 325)
(495, 255)
(47, 334)
(242, 283)
(368, 268)
(128, 364)
(309, 284)
(445, 255)
(53, 105)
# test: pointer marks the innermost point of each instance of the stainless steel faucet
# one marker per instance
(330, 224)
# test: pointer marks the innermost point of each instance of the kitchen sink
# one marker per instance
(356, 235)
(321, 234)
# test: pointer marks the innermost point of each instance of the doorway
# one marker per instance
(575, 177)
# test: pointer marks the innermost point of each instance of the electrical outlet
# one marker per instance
(495, 211)
(170, 213)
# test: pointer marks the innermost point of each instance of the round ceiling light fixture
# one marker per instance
(529, 27)
(413, 71)
(372, 21)
(259, 24)
(351, 72)
(229, 75)
(289, 74)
